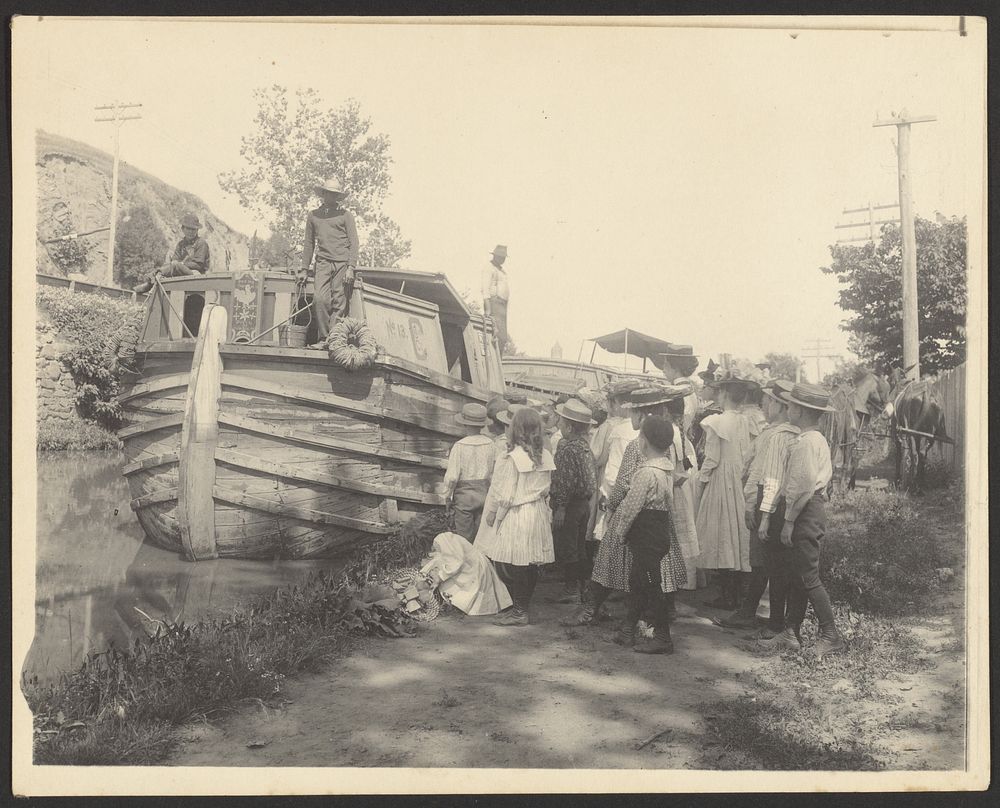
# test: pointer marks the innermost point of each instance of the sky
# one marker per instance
(681, 181)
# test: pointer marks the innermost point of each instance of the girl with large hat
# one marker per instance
(612, 563)
(722, 531)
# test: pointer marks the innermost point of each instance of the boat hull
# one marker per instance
(266, 452)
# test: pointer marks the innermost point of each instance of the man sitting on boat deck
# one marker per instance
(470, 467)
(332, 237)
(190, 256)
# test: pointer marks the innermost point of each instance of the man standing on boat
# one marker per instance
(496, 293)
(332, 237)
(190, 256)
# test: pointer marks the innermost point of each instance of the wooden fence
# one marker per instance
(950, 386)
(84, 286)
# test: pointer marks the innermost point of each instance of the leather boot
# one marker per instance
(661, 643)
(583, 615)
(786, 640)
(625, 635)
(514, 616)
(829, 641)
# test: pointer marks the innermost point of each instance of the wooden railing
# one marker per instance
(84, 286)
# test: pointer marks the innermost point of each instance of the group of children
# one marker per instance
(646, 492)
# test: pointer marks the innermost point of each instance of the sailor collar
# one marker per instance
(523, 462)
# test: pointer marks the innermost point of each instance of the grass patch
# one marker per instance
(802, 713)
(124, 706)
(78, 436)
(762, 732)
(881, 552)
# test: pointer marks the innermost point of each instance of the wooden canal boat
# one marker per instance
(237, 445)
(553, 377)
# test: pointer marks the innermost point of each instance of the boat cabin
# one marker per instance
(416, 316)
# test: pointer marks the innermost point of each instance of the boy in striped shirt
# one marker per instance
(807, 476)
(763, 480)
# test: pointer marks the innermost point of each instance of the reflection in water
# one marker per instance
(97, 580)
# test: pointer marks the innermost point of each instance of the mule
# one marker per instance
(916, 419)
(856, 403)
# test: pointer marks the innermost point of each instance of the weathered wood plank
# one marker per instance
(155, 386)
(163, 495)
(242, 460)
(322, 441)
(199, 435)
(150, 462)
(446, 426)
(166, 421)
(306, 514)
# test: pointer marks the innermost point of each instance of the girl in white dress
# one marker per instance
(516, 531)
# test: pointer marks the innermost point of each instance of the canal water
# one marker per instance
(97, 580)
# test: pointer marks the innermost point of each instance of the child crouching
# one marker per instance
(645, 520)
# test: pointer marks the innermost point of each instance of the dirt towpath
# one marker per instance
(467, 693)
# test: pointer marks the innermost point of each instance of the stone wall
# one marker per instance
(54, 382)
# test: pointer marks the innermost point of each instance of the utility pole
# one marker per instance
(117, 117)
(911, 328)
(818, 349)
(872, 221)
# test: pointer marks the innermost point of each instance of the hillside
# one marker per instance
(74, 195)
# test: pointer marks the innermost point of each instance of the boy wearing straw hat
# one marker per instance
(573, 483)
(763, 481)
(807, 475)
(190, 256)
(332, 238)
(470, 467)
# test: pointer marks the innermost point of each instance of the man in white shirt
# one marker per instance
(496, 293)
(807, 476)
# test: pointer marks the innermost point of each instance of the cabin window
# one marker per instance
(193, 305)
(454, 351)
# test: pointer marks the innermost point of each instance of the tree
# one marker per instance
(846, 370)
(140, 247)
(297, 142)
(872, 278)
(385, 246)
(784, 366)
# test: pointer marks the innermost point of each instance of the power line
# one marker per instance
(819, 349)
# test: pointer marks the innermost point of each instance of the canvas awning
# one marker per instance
(635, 343)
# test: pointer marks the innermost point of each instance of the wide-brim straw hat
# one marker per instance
(777, 386)
(734, 379)
(810, 396)
(331, 185)
(473, 415)
(620, 388)
(507, 415)
(576, 411)
(655, 395)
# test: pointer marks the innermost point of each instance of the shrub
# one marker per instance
(883, 560)
(75, 436)
(88, 323)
